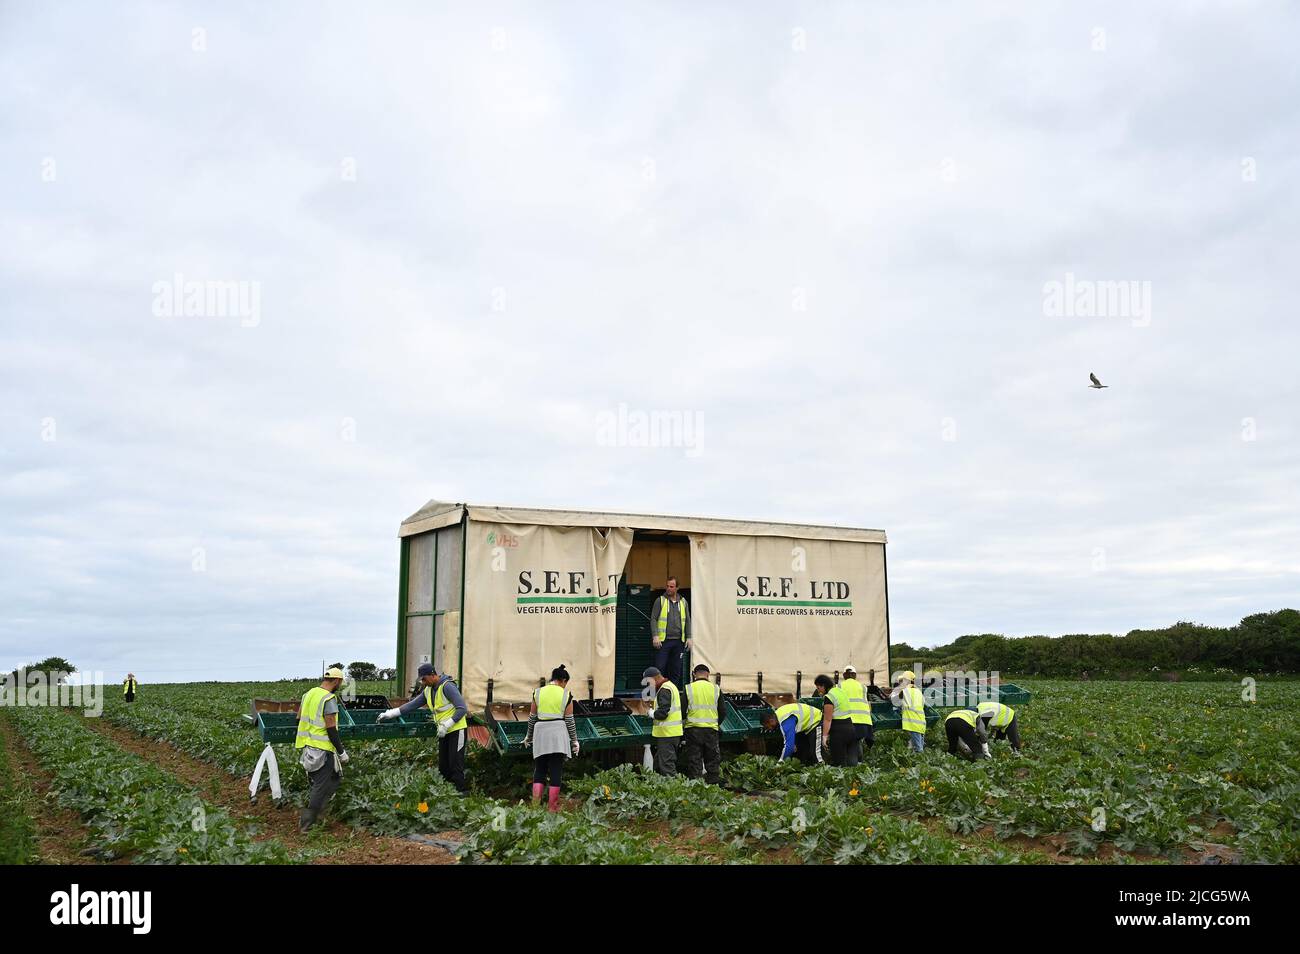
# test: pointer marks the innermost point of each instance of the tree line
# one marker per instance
(1263, 642)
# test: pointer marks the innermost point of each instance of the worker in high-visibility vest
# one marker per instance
(438, 693)
(129, 687)
(800, 726)
(668, 723)
(323, 755)
(701, 747)
(839, 738)
(670, 631)
(859, 708)
(552, 735)
(911, 704)
(1002, 721)
(967, 737)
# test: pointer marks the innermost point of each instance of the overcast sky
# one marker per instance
(823, 233)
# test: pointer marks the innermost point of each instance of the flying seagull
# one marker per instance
(1095, 382)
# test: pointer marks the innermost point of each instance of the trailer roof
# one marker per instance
(437, 513)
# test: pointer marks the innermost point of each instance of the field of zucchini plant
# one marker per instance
(1111, 772)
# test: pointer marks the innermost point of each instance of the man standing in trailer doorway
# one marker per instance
(670, 630)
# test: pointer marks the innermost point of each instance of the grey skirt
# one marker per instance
(550, 737)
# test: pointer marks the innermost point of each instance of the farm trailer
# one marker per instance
(498, 596)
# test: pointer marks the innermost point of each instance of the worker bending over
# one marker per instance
(966, 734)
(129, 687)
(667, 724)
(1002, 720)
(800, 726)
(911, 703)
(552, 735)
(440, 695)
(701, 746)
(859, 709)
(838, 735)
(322, 749)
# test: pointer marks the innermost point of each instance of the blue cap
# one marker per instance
(426, 669)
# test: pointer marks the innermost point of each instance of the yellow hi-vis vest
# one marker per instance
(701, 705)
(311, 720)
(671, 727)
(913, 710)
(859, 707)
(128, 685)
(551, 702)
(966, 715)
(441, 708)
(810, 717)
(1002, 715)
(837, 697)
(661, 625)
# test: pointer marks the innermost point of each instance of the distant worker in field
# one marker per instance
(1002, 720)
(702, 748)
(667, 721)
(441, 697)
(909, 700)
(323, 755)
(839, 735)
(859, 709)
(670, 628)
(552, 735)
(800, 726)
(129, 687)
(967, 737)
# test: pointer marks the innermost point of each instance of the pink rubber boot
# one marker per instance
(537, 792)
(553, 799)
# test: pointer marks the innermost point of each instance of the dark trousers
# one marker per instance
(703, 755)
(324, 783)
(668, 660)
(956, 729)
(666, 756)
(129, 697)
(844, 744)
(866, 736)
(451, 758)
(808, 746)
(1011, 733)
(549, 766)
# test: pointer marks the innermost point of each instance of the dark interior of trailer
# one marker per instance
(655, 556)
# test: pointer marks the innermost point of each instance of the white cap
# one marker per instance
(849, 668)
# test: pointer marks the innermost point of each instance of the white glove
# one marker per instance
(444, 727)
(389, 714)
(528, 743)
(343, 757)
(576, 748)
(986, 751)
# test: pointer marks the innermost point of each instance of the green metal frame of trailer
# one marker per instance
(353, 724)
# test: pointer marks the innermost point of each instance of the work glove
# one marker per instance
(343, 757)
(528, 742)
(443, 727)
(389, 714)
(656, 643)
(986, 751)
(576, 749)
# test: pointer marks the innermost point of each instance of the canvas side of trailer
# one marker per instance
(499, 597)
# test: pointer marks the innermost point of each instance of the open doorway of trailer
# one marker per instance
(655, 556)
